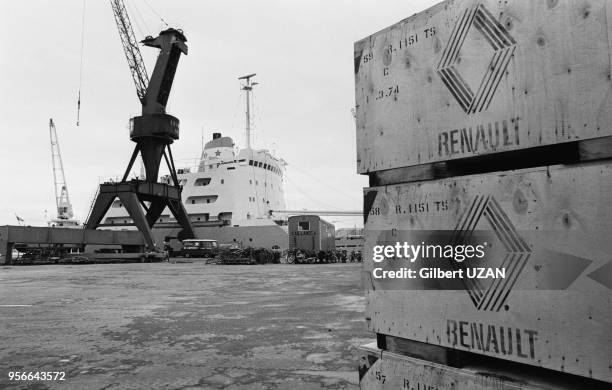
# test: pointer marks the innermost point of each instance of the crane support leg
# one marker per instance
(131, 163)
(179, 212)
(132, 205)
(102, 204)
(132, 195)
(155, 210)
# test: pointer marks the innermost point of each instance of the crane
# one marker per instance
(65, 215)
(131, 49)
(153, 132)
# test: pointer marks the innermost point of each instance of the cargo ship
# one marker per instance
(228, 197)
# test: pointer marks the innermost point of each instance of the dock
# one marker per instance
(183, 326)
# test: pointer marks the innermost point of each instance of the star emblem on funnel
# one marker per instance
(503, 46)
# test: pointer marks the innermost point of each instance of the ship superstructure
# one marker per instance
(228, 197)
(236, 188)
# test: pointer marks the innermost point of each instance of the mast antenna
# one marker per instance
(248, 87)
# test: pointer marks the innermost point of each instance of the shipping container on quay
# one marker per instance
(311, 233)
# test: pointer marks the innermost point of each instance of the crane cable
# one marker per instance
(155, 12)
(83, 49)
(137, 18)
(81, 65)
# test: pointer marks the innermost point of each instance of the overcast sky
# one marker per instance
(301, 50)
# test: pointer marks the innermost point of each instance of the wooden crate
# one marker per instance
(549, 227)
(467, 78)
(380, 370)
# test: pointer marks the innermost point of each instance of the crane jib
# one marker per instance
(131, 49)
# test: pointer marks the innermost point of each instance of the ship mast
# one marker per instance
(248, 87)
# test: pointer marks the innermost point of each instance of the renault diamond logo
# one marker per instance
(503, 46)
(517, 252)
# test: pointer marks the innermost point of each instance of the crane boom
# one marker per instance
(131, 49)
(62, 200)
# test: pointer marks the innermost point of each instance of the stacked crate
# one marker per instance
(491, 116)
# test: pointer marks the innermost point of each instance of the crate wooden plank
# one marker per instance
(418, 350)
(380, 370)
(468, 78)
(554, 308)
(593, 149)
(565, 153)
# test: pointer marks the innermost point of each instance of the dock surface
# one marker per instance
(182, 326)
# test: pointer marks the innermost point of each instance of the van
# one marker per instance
(199, 248)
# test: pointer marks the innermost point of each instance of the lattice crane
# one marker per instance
(62, 199)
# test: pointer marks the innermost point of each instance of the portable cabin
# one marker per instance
(311, 233)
